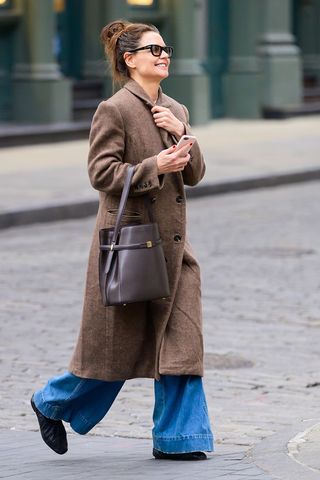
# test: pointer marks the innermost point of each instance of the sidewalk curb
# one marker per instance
(273, 456)
(80, 209)
(22, 135)
(251, 183)
(49, 213)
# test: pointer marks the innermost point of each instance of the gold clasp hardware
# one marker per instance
(149, 244)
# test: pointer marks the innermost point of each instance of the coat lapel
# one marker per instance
(163, 101)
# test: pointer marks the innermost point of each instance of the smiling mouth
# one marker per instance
(161, 65)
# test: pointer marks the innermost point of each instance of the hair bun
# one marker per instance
(118, 37)
(112, 30)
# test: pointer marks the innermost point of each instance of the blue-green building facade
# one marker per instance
(233, 58)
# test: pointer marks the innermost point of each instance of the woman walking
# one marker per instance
(161, 339)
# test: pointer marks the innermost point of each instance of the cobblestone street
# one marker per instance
(260, 259)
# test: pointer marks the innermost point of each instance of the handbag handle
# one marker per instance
(122, 204)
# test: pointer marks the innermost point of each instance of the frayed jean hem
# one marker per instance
(55, 412)
(184, 444)
(50, 411)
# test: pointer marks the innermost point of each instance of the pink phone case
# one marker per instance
(185, 140)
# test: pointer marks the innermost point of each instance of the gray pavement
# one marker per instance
(49, 182)
(304, 447)
(260, 258)
(114, 458)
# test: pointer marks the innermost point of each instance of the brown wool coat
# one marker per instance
(162, 336)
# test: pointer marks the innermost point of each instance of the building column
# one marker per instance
(241, 82)
(93, 64)
(316, 62)
(111, 11)
(97, 14)
(281, 84)
(5, 71)
(40, 93)
(70, 26)
(189, 83)
(308, 27)
(218, 27)
(9, 17)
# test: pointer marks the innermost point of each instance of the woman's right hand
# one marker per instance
(172, 160)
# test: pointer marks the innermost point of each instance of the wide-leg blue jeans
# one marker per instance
(181, 420)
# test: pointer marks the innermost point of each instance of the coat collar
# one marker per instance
(139, 92)
(164, 101)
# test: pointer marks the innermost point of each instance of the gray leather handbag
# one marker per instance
(132, 266)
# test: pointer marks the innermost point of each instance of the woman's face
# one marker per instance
(145, 65)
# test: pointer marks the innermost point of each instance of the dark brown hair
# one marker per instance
(119, 37)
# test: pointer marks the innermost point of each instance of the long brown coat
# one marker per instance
(162, 336)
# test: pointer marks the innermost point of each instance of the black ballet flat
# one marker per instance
(179, 456)
(52, 431)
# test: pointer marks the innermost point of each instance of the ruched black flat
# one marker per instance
(52, 431)
(179, 456)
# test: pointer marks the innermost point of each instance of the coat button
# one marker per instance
(177, 238)
(179, 199)
(153, 199)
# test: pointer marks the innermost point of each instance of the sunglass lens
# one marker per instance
(156, 50)
(169, 51)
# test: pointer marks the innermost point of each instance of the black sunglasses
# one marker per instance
(156, 50)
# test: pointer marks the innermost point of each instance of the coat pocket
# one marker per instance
(129, 216)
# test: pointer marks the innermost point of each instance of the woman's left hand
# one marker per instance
(164, 118)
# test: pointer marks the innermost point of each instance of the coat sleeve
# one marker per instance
(195, 170)
(106, 168)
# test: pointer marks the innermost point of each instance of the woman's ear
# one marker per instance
(129, 60)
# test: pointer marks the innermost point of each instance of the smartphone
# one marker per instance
(186, 140)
